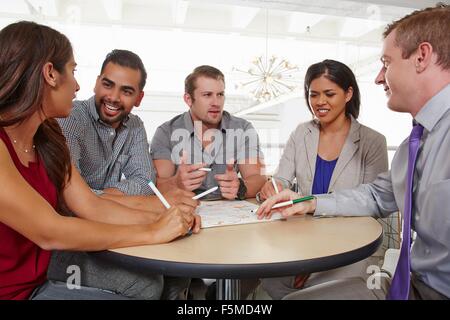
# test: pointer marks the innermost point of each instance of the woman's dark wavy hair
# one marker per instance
(340, 74)
(25, 47)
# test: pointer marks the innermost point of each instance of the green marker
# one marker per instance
(290, 202)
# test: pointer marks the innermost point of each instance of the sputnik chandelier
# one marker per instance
(268, 78)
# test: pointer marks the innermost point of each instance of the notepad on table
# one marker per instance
(226, 212)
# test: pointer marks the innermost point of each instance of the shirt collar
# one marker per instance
(94, 114)
(225, 123)
(92, 109)
(434, 109)
(189, 124)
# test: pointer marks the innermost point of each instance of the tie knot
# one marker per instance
(416, 132)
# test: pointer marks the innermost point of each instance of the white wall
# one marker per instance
(169, 55)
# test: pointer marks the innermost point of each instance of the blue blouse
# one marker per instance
(322, 176)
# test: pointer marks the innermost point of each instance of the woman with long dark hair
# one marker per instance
(37, 84)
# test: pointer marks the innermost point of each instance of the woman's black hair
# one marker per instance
(340, 74)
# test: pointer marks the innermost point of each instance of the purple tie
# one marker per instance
(399, 289)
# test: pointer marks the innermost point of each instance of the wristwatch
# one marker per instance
(242, 190)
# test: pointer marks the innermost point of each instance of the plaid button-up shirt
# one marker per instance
(107, 158)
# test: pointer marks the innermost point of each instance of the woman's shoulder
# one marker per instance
(5, 153)
(370, 134)
(4, 141)
(305, 128)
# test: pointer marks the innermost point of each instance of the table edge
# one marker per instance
(237, 271)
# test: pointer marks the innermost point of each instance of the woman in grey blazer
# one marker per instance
(331, 152)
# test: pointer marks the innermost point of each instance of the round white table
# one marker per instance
(261, 250)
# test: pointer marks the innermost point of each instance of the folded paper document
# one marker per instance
(225, 212)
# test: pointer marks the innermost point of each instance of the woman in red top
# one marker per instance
(37, 84)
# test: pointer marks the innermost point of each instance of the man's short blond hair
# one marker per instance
(190, 83)
(430, 25)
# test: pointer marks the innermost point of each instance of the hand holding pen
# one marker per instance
(177, 196)
(228, 181)
(270, 188)
(185, 222)
(293, 205)
(190, 176)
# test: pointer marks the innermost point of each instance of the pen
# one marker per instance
(288, 203)
(205, 193)
(159, 195)
(275, 187)
(205, 169)
(163, 200)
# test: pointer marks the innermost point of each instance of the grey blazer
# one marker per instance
(362, 158)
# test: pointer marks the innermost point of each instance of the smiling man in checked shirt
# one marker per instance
(109, 147)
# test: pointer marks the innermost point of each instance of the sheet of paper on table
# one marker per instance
(224, 213)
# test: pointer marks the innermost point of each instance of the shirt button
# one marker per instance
(427, 251)
(112, 133)
(417, 217)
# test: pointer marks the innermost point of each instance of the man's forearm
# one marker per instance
(150, 204)
(108, 211)
(166, 178)
(114, 191)
(254, 184)
(167, 184)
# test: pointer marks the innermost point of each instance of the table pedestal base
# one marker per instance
(228, 289)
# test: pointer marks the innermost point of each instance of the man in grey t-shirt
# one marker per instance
(208, 138)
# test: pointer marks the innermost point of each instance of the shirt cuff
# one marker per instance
(132, 188)
(325, 205)
(161, 155)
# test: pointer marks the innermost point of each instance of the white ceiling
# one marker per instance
(174, 36)
(326, 18)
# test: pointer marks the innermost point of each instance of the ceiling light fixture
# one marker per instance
(268, 78)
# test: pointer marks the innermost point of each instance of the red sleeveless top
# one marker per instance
(23, 265)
